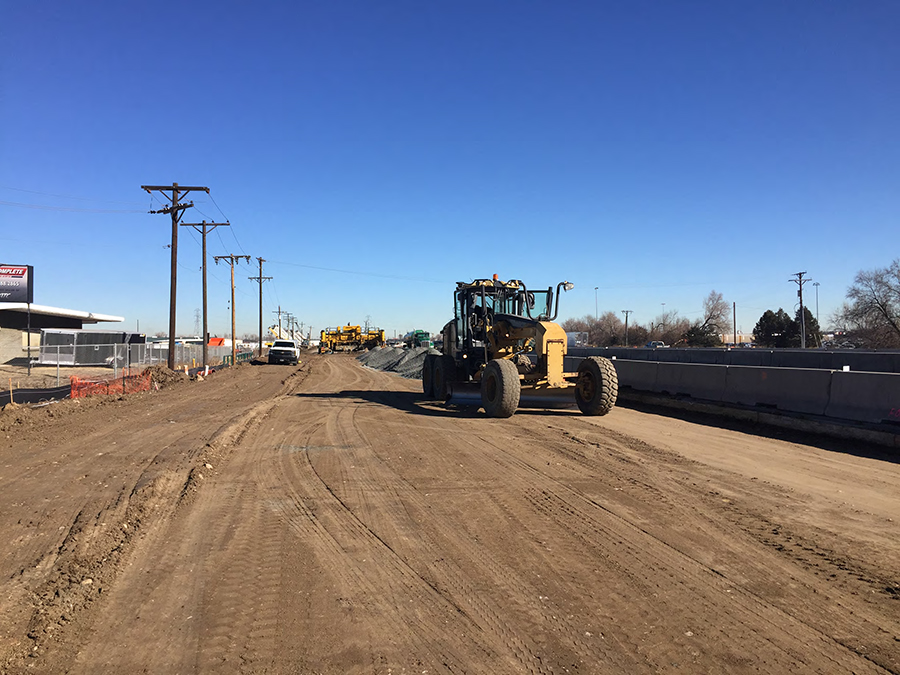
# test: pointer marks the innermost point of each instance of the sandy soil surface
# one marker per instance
(325, 519)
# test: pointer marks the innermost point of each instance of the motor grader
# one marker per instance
(502, 350)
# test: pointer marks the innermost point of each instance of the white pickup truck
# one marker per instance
(284, 351)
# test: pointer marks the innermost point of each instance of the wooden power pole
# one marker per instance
(175, 210)
(232, 260)
(204, 228)
(260, 279)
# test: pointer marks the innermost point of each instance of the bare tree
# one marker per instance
(610, 330)
(716, 313)
(872, 310)
(668, 327)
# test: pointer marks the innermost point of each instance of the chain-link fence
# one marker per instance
(118, 356)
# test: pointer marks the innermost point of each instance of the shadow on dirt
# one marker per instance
(857, 448)
(416, 404)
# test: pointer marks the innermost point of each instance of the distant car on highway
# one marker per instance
(656, 344)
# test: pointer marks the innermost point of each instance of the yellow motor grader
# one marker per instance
(502, 350)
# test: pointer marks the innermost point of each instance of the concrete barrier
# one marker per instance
(865, 397)
(701, 381)
(810, 358)
(711, 356)
(872, 362)
(639, 375)
(790, 389)
(749, 357)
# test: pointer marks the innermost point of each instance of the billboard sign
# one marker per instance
(16, 283)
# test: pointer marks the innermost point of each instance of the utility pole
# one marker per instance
(175, 210)
(800, 281)
(279, 320)
(204, 228)
(626, 312)
(596, 306)
(734, 321)
(232, 259)
(289, 318)
(260, 279)
(816, 284)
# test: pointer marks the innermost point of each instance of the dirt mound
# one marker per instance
(164, 377)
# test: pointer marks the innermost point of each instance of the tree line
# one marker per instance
(608, 329)
(869, 317)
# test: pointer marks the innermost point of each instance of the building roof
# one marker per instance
(44, 310)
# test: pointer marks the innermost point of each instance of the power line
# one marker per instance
(81, 199)
(43, 207)
(357, 273)
(236, 240)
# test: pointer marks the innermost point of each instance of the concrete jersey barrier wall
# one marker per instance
(868, 361)
(853, 396)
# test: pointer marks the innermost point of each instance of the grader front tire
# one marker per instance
(500, 388)
(597, 387)
(428, 375)
(444, 369)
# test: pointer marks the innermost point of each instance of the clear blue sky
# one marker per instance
(374, 153)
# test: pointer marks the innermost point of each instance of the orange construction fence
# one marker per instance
(127, 383)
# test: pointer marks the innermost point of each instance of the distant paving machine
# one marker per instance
(502, 351)
(350, 339)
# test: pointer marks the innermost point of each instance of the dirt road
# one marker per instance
(326, 520)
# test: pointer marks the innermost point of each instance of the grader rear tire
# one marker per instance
(428, 375)
(500, 388)
(597, 387)
(444, 370)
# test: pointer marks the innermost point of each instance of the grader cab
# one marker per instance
(502, 350)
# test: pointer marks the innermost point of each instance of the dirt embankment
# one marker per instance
(81, 479)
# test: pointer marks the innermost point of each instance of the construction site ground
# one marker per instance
(326, 519)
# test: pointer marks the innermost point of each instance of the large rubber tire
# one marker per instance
(428, 375)
(444, 374)
(597, 386)
(500, 388)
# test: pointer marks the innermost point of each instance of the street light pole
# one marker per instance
(596, 311)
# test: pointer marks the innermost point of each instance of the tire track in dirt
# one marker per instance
(525, 615)
(655, 558)
(693, 487)
(374, 580)
(389, 519)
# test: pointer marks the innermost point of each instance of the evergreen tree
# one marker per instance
(776, 329)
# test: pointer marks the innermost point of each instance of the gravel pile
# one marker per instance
(404, 362)
(382, 358)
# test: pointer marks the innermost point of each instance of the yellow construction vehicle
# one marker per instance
(350, 339)
(372, 338)
(502, 350)
(340, 339)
